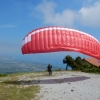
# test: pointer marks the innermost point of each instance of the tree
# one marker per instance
(79, 62)
(69, 61)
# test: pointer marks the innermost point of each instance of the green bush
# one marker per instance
(3, 75)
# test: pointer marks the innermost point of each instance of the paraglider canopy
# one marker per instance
(53, 39)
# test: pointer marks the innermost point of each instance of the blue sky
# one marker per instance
(19, 17)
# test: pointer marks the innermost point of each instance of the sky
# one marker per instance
(19, 17)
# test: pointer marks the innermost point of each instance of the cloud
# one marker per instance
(47, 9)
(7, 26)
(88, 15)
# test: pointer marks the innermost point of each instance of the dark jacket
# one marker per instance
(49, 68)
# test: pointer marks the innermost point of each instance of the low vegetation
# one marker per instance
(80, 64)
(12, 89)
(17, 92)
(1, 75)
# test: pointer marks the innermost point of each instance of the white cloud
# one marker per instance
(7, 26)
(90, 16)
(89, 1)
(86, 15)
(66, 18)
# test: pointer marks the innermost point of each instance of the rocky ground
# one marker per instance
(69, 86)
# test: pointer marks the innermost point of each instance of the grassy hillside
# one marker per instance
(11, 87)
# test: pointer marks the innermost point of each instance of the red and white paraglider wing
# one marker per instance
(52, 39)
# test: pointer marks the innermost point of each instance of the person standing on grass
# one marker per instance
(49, 69)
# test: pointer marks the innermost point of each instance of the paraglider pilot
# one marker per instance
(49, 68)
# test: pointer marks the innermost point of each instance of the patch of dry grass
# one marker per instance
(11, 89)
(17, 92)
